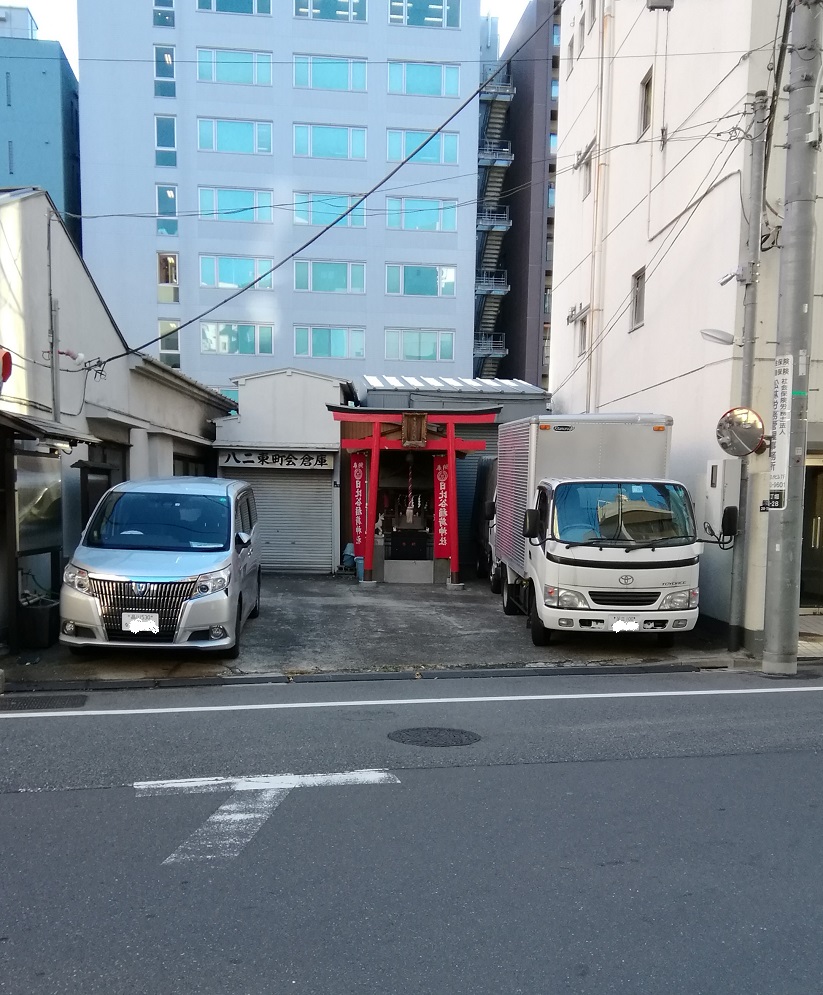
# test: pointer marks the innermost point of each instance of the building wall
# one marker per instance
(120, 177)
(532, 119)
(39, 124)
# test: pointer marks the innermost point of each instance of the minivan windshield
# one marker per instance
(173, 522)
(623, 513)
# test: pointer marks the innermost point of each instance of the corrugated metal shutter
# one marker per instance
(466, 483)
(294, 511)
(512, 492)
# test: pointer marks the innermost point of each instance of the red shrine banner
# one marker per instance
(442, 511)
(358, 501)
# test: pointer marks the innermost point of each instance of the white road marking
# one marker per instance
(227, 831)
(382, 702)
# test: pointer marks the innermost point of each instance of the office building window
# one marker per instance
(8, 89)
(166, 210)
(233, 272)
(165, 141)
(164, 13)
(236, 6)
(638, 305)
(581, 35)
(556, 35)
(550, 198)
(229, 339)
(419, 214)
(582, 333)
(425, 13)
(320, 141)
(245, 137)
(570, 56)
(592, 13)
(645, 103)
(164, 85)
(553, 142)
(226, 65)
(326, 209)
(168, 282)
(424, 344)
(229, 204)
(322, 72)
(329, 277)
(169, 345)
(555, 89)
(424, 79)
(11, 157)
(331, 10)
(327, 342)
(441, 150)
(420, 281)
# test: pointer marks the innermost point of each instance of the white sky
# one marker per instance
(57, 20)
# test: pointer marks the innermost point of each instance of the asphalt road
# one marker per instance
(654, 834)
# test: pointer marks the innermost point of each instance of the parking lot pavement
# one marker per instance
(326, 625)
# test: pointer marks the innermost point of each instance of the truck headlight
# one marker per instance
(680, 601)
(76, 577)
(559, 597)
(212, 583)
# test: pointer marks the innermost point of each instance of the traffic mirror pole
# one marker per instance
(787, 453)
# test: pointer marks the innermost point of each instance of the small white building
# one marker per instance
(286, 444)
(79, 411)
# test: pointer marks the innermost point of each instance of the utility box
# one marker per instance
(660, 4)
(38, 624)
(722, 490)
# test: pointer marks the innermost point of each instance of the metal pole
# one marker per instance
(794, 321)
(54, 340)
(737, 608)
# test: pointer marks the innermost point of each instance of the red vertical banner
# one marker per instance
(442, 509)
(358, 501)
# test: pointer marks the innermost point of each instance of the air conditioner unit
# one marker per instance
(660, 4)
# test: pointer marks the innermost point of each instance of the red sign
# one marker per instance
(442, 511)
(358, 501)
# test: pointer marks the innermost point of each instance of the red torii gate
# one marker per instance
(434, 442)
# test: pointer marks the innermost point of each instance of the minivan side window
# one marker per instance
(252, 508)
(243, 513)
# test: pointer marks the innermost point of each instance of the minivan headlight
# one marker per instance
(212, 583)
(76, 577)
(679, 601)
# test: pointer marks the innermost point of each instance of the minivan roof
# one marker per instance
(181, 485)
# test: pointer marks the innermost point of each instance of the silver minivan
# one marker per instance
(165, 563)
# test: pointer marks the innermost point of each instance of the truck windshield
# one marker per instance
(174, 522)
(615, 513)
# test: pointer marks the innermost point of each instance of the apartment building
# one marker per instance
(219, 138)
(39, 125)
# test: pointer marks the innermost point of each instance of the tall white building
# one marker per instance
(218, 137)
(653, 201)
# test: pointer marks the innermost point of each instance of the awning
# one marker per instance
(26, 427)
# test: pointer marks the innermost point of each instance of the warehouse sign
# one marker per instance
(781, 424)
(278, 460)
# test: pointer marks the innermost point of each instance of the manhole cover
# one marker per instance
(40, 703)
(434, 737)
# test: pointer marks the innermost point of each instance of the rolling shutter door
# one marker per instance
(466, 481)
(294, 511)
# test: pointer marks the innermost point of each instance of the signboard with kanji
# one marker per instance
(358, 501)
(277, 459)
(781, 423)
(442, 511)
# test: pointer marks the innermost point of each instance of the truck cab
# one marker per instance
(609, 555)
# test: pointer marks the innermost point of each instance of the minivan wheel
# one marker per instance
(510, 606)
(255, 612)
(233, 652)
(494, 579)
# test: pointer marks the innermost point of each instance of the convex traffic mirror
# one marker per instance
(740, 432)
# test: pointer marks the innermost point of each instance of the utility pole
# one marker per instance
(757, 173)
(787, 454)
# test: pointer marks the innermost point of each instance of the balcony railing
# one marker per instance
(495, 153)
(547, 302)
(490, 345)
(492, 281)
(493, 218)
(501, 85)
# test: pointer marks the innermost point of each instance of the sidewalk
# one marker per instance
(315, 627)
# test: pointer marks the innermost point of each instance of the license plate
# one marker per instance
(624, 623)
(141, 622)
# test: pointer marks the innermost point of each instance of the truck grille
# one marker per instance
(624, 599)
(118, 596)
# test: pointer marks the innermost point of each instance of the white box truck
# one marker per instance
(590, 535)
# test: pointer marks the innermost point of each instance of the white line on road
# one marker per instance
(227, 831)
(368, 703)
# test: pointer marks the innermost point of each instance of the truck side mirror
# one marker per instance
(490, 510)
(531, 523)
(728, 524)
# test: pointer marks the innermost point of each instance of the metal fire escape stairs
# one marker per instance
(494, 158)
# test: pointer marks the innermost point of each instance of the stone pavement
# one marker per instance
(326, 625)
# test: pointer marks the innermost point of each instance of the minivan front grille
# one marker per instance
(624, 599)
(117, 596)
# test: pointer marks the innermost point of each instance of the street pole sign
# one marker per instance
(781, 430)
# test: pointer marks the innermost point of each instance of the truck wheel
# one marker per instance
(510, 606)
(494, 579)
(540, 634)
